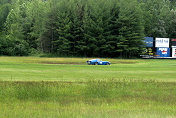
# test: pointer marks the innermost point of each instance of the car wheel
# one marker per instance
(96, 63)
(108, 64)
(88, 63)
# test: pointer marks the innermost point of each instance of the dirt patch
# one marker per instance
(72, 63)
(39, 83)
(75, 63)
(123, 62)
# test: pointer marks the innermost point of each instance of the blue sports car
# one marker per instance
(97, 62)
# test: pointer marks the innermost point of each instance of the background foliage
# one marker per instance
(113, 28)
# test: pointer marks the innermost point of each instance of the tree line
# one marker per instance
(89, 28)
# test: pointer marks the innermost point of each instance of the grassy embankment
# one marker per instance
(70, 88)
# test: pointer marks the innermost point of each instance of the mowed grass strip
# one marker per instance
(60, 60)
(76, 69)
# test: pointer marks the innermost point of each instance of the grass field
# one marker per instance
(75, 69)
(33, 87)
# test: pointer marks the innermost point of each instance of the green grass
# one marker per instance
(99, 99)
(33, 87)
(75, 69)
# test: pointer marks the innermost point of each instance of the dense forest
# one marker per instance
(99, 28)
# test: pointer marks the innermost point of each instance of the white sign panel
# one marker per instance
(162, 42)
(173, 52)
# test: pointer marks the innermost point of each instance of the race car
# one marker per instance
(98, 62)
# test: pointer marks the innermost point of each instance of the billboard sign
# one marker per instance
(173, 41)
(163, 52)
(148, 51)
(162, 42)
(174, 52)
(148, 41)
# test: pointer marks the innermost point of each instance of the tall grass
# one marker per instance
(96, 98)
(96, 92)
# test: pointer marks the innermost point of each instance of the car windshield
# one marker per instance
(95, 59)
(98, 59)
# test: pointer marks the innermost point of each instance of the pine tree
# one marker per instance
(131, 29)
(78, 29)
(51, 35)
(156, 18)
(64, 43)
(172, 29)
(112, 46)
(37, 14)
